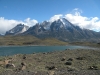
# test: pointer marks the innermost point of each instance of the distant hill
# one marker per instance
(28, 40)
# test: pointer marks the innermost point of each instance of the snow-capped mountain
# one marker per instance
(45, 25)
(62, 24)
(61, 29)
(20, 28)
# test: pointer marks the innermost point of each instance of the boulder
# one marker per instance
(68, 63)
(8, 61)
(63, 59)
(10, 65)
(24, 56)
(70, 59)
(93, 68)
(80, 58)
(23, 68)
(23, 64)
(50, 67)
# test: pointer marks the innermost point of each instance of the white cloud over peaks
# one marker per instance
(30, 22)
(55, 17)
(92, 23)
(6, 24)
(75, 17)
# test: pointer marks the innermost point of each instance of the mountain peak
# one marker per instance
(20, 24)
(63, 23)
(19, 28)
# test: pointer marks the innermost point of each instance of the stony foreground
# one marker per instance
(67, 62)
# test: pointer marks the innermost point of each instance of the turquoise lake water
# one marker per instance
(11, 50)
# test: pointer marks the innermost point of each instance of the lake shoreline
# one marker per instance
(11, 50)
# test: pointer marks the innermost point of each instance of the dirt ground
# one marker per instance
(67, 62)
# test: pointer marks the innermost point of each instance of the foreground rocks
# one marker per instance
(67, 62)
(84, 72)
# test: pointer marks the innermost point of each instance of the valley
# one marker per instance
(28, 40)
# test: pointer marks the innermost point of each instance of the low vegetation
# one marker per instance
(67, 62)
(86, 43)
(29, 40)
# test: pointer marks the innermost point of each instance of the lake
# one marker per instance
(11, 50)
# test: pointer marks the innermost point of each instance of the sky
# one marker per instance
(84, 13)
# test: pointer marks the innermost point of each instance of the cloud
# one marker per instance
(92, 23)
(6, 24)
(30, 22)
(75, 17)
(55, 17)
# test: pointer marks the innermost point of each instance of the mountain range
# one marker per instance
(61, 29)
